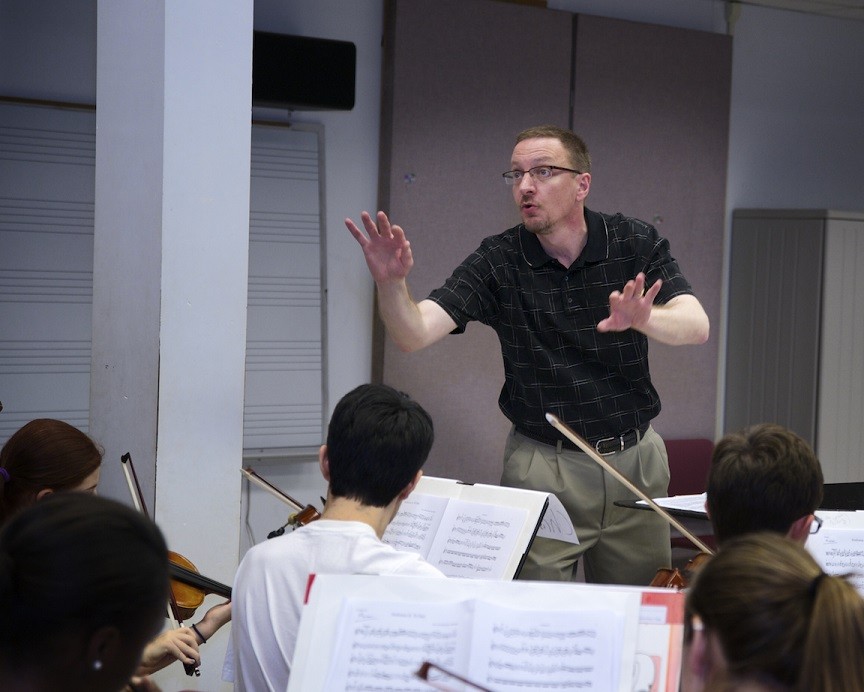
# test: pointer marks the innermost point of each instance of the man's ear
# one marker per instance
(584, 186)
(408, 489)
(324, 462)
(800, 529)
(45, 492)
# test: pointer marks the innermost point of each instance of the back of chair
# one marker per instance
(689, 463)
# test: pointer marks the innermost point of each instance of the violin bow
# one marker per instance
(138, 501)
(426, 674)
(565, 430)
(301, 515)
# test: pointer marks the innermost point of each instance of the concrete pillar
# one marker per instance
(170, 272)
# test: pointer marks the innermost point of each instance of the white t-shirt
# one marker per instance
(270, 588)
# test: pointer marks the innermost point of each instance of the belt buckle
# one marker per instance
(619, 438)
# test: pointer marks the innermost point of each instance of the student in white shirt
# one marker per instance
(377, 442)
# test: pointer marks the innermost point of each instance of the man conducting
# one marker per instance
(573, 296)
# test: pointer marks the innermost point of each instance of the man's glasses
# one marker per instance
(815, 525)
(539, 173)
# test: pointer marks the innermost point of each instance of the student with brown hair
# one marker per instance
(764, 478)
(764, 617)
(42, 457)
(48, 456)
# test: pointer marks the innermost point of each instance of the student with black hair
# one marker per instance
(83, 587)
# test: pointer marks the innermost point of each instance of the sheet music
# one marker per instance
(557, 523)
(416, 523)
(476, 540)
(839, 545)
(691, 503)
(640, 628)
(382, 643)
(515, 650)
(474, 531)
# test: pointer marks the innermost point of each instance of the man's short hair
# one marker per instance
(377, 440)
(762, 478)
(573, 144)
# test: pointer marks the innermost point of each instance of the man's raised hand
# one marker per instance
(387, 251)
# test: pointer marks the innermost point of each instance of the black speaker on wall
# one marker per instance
(302, 73)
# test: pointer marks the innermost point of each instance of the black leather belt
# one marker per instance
(610, 445)
(605, 445)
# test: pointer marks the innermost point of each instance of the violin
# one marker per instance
(670, 577)
(674, 578)
(187, 586)
(302, 515)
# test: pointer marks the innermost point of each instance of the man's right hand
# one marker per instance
(387, 251)
(388, 254)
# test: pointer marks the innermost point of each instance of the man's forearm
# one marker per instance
(679, 322)
(411, 325)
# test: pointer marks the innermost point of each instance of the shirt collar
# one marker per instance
(596, 248)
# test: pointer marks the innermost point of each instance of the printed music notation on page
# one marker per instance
(462, 539)
(381, 642)
(375, 632)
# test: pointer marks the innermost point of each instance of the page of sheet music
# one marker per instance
(557, 523)
(389, 617)
(839, 545)
(514, 650)
(691, 503)
(416, 523)
(476, 539)
(382, 643)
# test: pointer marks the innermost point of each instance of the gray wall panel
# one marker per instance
(468, 75)
(652, 103)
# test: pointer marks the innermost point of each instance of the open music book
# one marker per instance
(361, 632)
(839, 544)
(473, 531)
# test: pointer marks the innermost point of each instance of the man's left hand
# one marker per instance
(630, 308)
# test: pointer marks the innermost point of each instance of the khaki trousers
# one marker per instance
(618, 545)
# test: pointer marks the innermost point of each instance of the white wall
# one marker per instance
(351, 186)
(351, 170)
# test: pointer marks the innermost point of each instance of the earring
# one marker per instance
(97, 664)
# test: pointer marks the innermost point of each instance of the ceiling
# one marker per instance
(841, 9)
